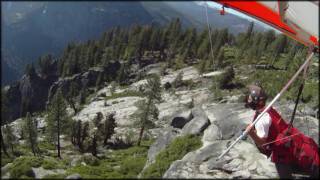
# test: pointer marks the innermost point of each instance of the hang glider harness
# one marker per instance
(304, 66)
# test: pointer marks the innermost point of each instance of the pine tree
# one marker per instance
(202, 66)
(178, 80)
(249, 31)
(78, 139)
(73, 136)
(222, 38)
(154, 40)
(84, 133)
(9, 137)
(25, 105)
(292, 52)
(97, 58)
(147, 110)
(163, 44)
(204, 49)
(44, 64)
(72, 93)
(96, 132)
(188, 48)
(4, 120)
(99, 81)
(106, 56)
(220, 58)
(109, 125)
(254, 51)
(122, 74)
(97, 120)
(144, 38)
(278, 47)
(94, 139)
(30, 70)
(57, 120)
(3, 145)
(112, 87)
(30, 126)
(83, 94)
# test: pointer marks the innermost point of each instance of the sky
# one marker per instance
(237, 13)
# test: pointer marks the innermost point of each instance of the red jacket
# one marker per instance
(299, 149)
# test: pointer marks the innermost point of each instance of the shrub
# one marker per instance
(87, 171)
(179, 63)
(310, 93)
(90, 160)
(5, 159)
(176, 150)
(126, 93)
(22, 166)
(55, 176)
(52, 163)
(115, 102)
(46, 145)
(225, 79)
(124, 163)
(132, 166)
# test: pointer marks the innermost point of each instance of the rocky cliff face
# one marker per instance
(39, 90)
(218, 124)
(84, 80)
(33, 89)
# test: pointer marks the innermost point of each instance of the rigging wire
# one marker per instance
(209, 30)
(279, 139)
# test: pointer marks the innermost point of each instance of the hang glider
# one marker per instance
(297, 19)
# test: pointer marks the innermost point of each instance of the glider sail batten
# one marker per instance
(299, 20)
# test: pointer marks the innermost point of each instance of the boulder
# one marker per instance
(181, 169)
(161, 143)
(5, 168)
(198, 123)
(244, 156)
(212, 133)
(181, 119)
(5, 176)
(198, 112)
(243, 161)
(207, 152)
(245, 174)
(231, 119)
(75, 161)
(74, 176)
(41, 172)
(169, 107)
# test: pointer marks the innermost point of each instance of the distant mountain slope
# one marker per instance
(49, 27)
(10, 73)
(31, 29)
(197, 14)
